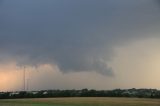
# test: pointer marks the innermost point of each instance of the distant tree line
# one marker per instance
(140, 93)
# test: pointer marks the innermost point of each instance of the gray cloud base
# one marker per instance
(75, 35)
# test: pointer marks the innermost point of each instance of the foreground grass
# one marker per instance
(90, 101)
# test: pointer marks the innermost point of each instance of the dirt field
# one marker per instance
(91, 101)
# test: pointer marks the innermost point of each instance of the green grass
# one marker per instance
(91, 101)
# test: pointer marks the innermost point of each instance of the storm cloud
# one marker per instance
(74, 35)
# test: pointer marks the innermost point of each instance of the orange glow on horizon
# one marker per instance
(9, 77)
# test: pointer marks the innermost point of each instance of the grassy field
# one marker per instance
(91, 101)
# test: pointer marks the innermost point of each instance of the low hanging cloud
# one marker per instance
(74, 35)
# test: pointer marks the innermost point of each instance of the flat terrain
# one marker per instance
(90, 101)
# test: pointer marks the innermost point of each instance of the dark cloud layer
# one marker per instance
(75, 35)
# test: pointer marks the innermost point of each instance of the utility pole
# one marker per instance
(27, 84)
(24, 78)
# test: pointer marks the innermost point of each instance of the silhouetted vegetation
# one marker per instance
(140, 93)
